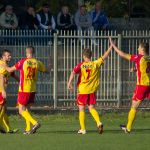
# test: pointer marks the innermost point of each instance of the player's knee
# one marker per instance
(135, 104)
(90, 107)
(81, 108)
(21, 109)
(20, 112)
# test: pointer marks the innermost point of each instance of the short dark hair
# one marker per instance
(145, 46)
(4, 51)
(87, 53)
(30, 6)
(31, 48)
(45, 5)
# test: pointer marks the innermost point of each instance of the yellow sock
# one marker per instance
(28, 124)
(1, 117)
(95, 115)
(6, 122)
(26, 115)
(131, 117)
(82, 119)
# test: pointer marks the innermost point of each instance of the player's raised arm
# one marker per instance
(120, 53)
(69, 85)
(106, 54)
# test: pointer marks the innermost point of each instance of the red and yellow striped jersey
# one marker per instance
(143, 69)
(29, 68)
(89, 76)
(5, 73)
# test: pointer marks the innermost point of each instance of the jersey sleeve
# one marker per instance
(41, 67)
(77, 68)
(2, 71)
(99, 62)
(134, 58)
(19, 64)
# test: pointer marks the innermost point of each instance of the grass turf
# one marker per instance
(59, 132)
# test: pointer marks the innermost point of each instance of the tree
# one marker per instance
(55, 5)
(117, 8)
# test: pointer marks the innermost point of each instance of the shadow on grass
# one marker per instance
(107, 131)
(75, 132)
(145, 130)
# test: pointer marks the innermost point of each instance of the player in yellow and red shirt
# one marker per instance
(88, 83)
(29, 68)
(4, 77)
(142, 90)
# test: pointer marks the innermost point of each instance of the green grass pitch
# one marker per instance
(59, 132)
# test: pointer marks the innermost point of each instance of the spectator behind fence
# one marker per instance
(83, 22)
(99, 19)
(8, 19)
(45, 18)
(65, 19)
(29, 20)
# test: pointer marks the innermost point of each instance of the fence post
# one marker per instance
(119, 82)
(55, 88)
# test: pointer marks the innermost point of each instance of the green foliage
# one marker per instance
(118, 8)
(55, 5)
(89, 6)
(145, 4)
(113, 8)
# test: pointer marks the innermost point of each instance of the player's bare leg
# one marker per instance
(131, 116)
(82, 120)
(96, 117)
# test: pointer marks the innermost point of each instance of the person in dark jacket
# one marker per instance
(46, 19)
(29, 20)
(65, 19)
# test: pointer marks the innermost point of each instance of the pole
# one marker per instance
(55, 87)
(119, 85)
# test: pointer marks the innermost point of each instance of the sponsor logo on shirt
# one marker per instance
(87, 66)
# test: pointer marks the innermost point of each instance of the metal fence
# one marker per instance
(64, 50)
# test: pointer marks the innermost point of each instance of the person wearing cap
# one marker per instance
(8, 19)
(45, 18)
